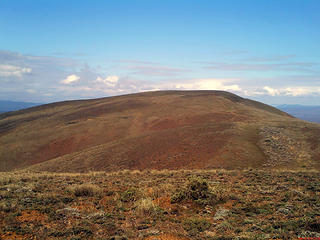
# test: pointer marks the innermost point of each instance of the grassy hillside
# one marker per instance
(157, 130)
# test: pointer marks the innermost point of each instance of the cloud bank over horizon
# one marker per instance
(48, 79)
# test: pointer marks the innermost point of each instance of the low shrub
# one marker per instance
(86, 190)
(178, 196)
(129, 195)
(197, 190)
(196, 225)
(145, 206)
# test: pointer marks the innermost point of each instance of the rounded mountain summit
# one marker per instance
(157, 130)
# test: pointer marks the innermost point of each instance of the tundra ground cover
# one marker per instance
(197, 204)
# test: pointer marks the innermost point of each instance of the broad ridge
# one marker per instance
(157, 130)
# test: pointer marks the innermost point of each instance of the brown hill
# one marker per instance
(156, 130)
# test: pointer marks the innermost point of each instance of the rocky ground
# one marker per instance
(280, 148)
(152, 205)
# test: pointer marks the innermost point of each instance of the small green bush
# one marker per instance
(178, 196)
(129, 195)
(197, 190)
(196, 225)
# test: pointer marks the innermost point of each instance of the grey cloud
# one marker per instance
(23, 75)
(271, 58)
(134, 61)
(283, 80)
(28, 60)
(7, 70)
(156, 70)
(295, 66)
(43, 82)
(75, 54)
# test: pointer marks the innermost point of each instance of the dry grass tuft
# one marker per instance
(86, 190)
(145, 206)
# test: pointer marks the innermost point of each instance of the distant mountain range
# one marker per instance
(308, 113)
(8, 106)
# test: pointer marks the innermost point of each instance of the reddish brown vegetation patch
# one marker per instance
(31, 216)
(163, 202)
(166, 237)
(14, 236)
(85, 206)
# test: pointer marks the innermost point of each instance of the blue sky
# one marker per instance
(267, 50)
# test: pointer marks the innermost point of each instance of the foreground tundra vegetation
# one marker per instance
(173, 205)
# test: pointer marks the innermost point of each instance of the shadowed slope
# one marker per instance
(165, 129)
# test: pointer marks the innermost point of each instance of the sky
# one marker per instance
(266, 50)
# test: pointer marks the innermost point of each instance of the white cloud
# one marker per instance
(271, 91)
(32, 91)
(7, 70)
(113, 85)
(254, 92)
(110, 81)
(70, 79)
(302, 91)
(285, 91)
(209, 84)
(76, 88)
(16, 69)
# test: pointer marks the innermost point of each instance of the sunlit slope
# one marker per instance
(156, 130)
